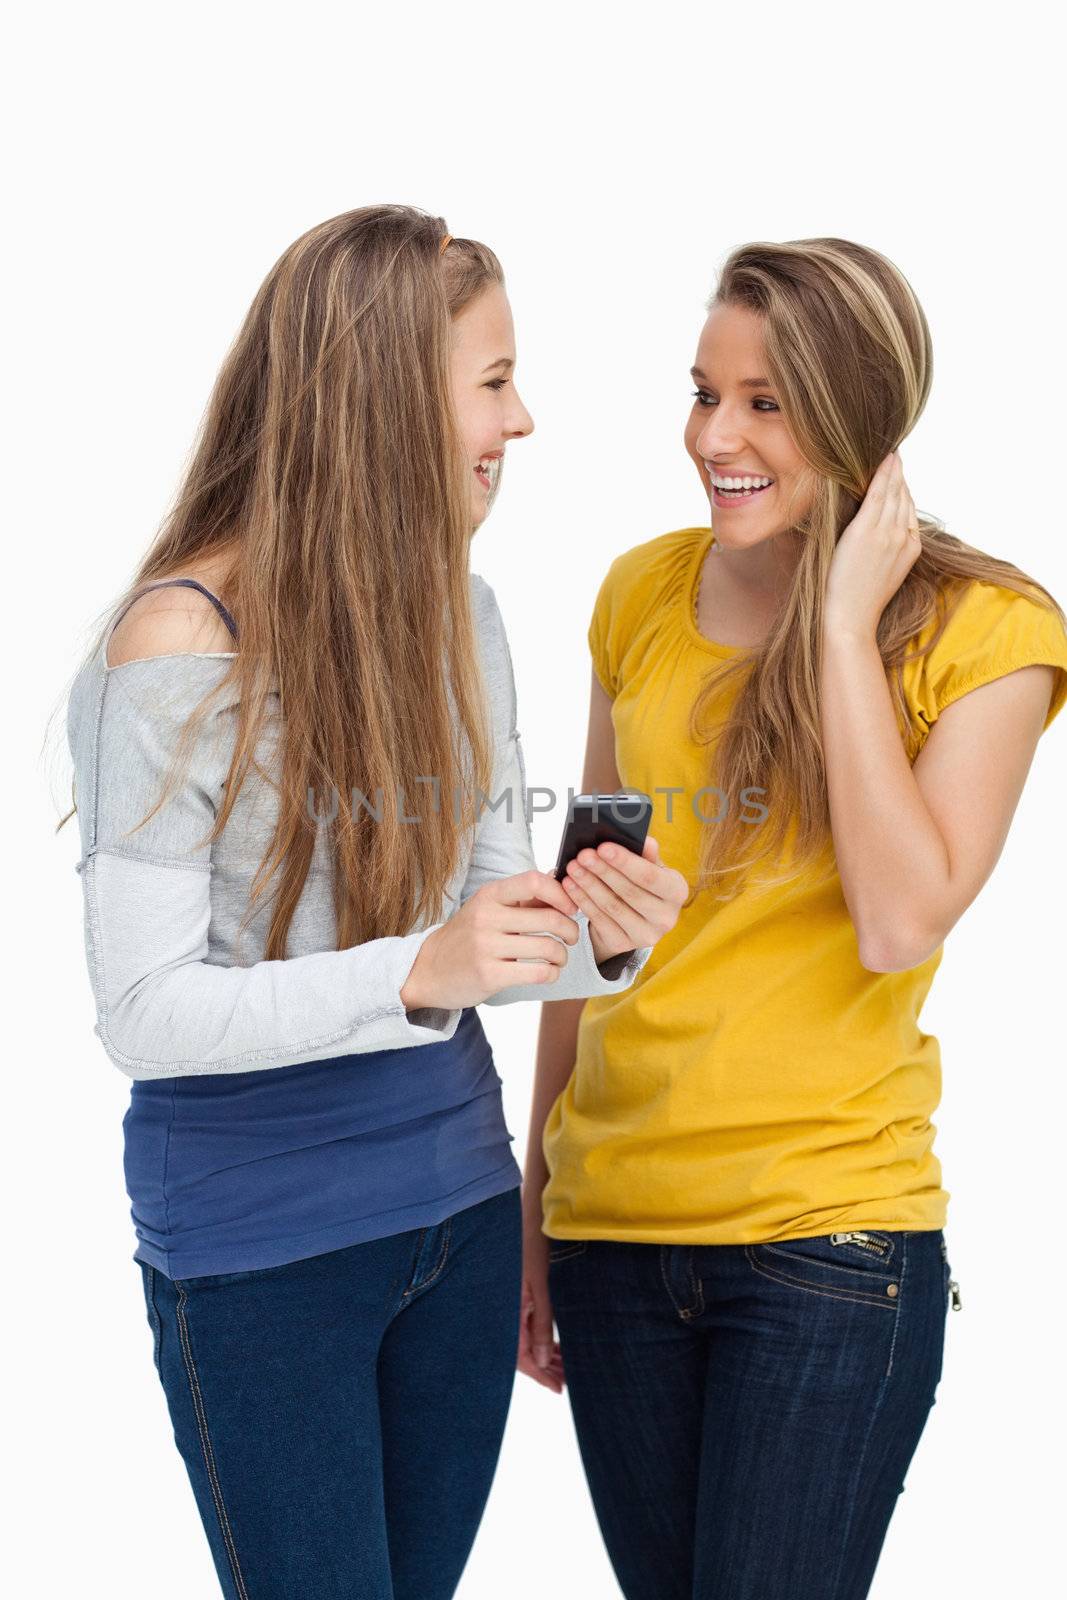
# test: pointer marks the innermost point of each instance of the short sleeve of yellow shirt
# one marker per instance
(991, 631)
(604, 632)
(756, 1081)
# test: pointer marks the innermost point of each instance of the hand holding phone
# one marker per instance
(630, 901)
(594, 819)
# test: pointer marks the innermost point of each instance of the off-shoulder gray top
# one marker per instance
(176, 992)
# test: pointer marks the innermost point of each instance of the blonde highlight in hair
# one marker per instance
(848, 353)
(329, 484)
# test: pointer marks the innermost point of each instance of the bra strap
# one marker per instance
(191, 583)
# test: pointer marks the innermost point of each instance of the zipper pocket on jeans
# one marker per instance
(866, 1241)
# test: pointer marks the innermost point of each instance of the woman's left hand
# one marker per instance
(874, 554)
(631, 900)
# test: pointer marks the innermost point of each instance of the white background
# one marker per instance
(162, 160)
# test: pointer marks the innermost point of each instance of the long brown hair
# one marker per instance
(848, 353)
(328, 481)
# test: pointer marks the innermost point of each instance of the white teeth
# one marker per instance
(740, 483)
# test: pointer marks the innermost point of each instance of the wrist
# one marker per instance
(414, 995)
(612, 966)
(609, 963)
(848, 633)
(411, 997)
(532, 1210)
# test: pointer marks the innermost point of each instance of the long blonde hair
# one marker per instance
(329, 467)
(848, 353)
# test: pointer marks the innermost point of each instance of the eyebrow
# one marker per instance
(503, 361)
(746, 383)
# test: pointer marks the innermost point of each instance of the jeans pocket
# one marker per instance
(862, 1266)
(564, 1249)
(221, 1280)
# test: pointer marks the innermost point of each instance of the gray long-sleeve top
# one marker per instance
(176, 993)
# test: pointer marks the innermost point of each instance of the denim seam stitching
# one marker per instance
(862, 1457)
(205, 1446)
(685, 1312)
(439, 1268)
(696, 1286)
(827, 1293)
(420, 1240)
(573, 1249)
(900, 1297)
(153, 1314)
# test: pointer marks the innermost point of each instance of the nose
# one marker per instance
(720, 435)
(519, 421)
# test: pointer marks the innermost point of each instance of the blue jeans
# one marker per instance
(340, 1417)
(746, 1413)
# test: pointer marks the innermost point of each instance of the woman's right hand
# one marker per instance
(474, 954)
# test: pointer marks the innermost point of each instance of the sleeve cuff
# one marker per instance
(581, 978)
(422, 1024)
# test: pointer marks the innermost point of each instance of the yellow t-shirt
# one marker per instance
(755, 1081)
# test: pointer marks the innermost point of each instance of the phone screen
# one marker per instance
(594, 819)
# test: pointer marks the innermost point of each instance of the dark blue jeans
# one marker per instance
(341, 1417)
(746, 1413)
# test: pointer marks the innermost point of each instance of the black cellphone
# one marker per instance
(594, 819)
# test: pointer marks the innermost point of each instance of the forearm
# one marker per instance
(891, 857)
(557, 1048)
(165, 1010)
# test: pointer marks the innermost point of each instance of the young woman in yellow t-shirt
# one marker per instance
(732, 1204)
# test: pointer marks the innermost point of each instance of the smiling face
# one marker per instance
(487, 405)
(736, 432)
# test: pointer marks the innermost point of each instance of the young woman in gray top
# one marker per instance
(328, 1217)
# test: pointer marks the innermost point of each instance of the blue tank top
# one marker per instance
(244, 1170)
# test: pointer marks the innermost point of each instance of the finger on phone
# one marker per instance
(619, 897)
(627, 863)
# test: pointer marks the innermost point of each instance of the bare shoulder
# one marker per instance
(175, 620)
